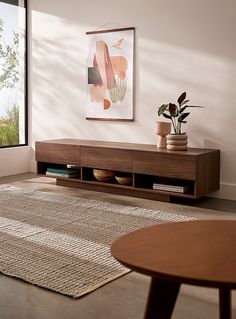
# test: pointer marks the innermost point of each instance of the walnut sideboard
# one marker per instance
(146, 164)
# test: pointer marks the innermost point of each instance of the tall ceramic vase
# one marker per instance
(177, 142)
(162, 129)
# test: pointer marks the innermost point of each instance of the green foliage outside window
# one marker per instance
(9, 127)
(9, 77)
(9, 60)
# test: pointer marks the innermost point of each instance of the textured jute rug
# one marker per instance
(62, 243)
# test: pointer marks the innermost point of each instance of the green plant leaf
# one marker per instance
(173, 109)
(162, 109)
(181, 98)
(194, 106)
(166, 116)
(182, 109)
(183, 116)
(184, 102)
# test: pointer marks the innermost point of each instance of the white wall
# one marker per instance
(14, 160)
(180, 45)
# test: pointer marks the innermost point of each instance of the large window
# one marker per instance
(13, 90)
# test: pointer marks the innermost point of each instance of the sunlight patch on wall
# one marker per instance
(58, 72)
(59, 78)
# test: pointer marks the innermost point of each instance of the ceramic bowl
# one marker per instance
(103, 175)
(123, 180)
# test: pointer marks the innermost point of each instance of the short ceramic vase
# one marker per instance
(162, 129)
(177, 142)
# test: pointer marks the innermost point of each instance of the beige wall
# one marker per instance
(14, 160)
(180, 45)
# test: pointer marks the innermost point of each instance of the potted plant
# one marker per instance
(177, 114)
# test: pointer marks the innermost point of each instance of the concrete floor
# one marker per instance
(125, 297)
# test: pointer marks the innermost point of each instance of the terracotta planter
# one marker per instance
(177, 142)
(162, 129)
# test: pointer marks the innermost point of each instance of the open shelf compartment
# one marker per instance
(164, 184)
(88, 176)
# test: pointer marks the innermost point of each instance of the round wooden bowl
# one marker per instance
(103, 175)
(123, 180)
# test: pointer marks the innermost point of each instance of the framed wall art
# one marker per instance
(110, 75)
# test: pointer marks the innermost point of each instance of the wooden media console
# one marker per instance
(196, 168)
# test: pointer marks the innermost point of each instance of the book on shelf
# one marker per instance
(65, 170)
(172, 188)
(67, 175)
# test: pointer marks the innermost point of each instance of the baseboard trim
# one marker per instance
(226, 191)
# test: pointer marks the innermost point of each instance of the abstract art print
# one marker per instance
(110, 75)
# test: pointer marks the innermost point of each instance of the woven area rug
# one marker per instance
(62, 243)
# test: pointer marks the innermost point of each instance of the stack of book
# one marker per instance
(63, 172)
(172, 188)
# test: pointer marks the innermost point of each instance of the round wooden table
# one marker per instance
(199, 253)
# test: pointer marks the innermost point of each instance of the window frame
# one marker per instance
(26, 83)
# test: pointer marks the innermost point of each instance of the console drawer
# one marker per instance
(166, 165)
(106, 158)
(57, 153)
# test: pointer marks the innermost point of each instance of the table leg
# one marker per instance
(225, 303)
(161, 299)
